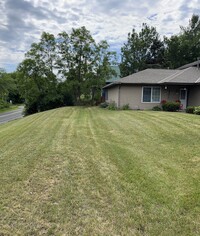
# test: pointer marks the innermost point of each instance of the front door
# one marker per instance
(183, 98)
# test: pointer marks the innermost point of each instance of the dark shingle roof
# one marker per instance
(161, 76)
(190, 75)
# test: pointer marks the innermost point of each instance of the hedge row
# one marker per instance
(193, 110)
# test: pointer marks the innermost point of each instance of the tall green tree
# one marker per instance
(102, 70)
(76, 53)
(84, 63)
(70, 66)
(184, 47)
(13, 89)
(37, 75)
(142, 50)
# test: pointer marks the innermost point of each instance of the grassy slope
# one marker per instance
(84, 171)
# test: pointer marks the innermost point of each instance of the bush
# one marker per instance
(112, 106)
(103, 105)
(163, 101)
(126, 107)
(190, 109)
(156, 108)
(4, 104)
(170, 106)
(197, 110)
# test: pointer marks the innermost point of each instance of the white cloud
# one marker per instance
(23, 21)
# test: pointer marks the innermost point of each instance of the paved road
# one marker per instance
(11, 115)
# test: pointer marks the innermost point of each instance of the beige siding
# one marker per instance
(194, 96)
(170, 93)
(132, 95)
(113, 94)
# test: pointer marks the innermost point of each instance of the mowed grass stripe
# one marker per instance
(31, 174)
(167, 162)
(89, 171)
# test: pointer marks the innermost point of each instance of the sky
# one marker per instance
(23, 21)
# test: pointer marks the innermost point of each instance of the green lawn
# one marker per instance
(90, 171)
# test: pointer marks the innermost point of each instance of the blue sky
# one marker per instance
(23, 21)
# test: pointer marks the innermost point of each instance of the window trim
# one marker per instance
(151, 93)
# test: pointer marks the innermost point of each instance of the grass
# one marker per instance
(11, 108)
(90, 171)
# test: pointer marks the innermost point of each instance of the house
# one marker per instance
(112, 79)
(147, 88)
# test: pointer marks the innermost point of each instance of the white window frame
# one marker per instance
(151, 93)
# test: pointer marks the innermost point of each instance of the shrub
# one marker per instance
(126, 107)
(163, 101)
(112, 106)
(170, 106)
(103, 105)
(197, 110)
(4, 104)
(156, 108)
(190, 109)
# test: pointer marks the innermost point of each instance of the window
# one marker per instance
(151, 94)
(155, 94)
(146, 94)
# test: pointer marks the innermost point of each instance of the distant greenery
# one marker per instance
(184, 47)
(9, 92)
(8, 108)
(142, 50)
(145, 49)
(69, 69)
(4, 104)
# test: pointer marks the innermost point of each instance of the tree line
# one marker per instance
(71, 68)
(64, 70)
(146, 49)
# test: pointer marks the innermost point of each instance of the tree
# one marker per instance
(83, 63)
(191, 39)
(76, 53)
(36, 88)
(142, 50)
(13, 91)
(184, 47)
(6, 85)
(102, 69)
(37, 75)
(71, 66)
